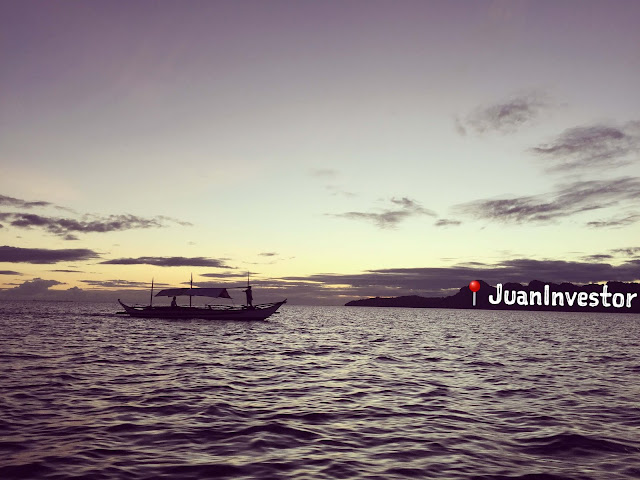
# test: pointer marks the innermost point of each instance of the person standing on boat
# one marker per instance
(174, 304)
(249, 296)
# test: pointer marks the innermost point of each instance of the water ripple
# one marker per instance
(352, 393)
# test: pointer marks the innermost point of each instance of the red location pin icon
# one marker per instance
(474, 286)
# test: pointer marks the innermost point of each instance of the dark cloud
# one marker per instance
(169, 262)
(9, 272)
(268, 254)
(65, 226)
(18, 203)
(505, 117)
(445, 222)
(629, 252)
(597, 257)
(37, 286)
(593, 146)
(615, 222)
(401, 209)
(119, 284)
(438, 281)
(43, 255)
(225, 275)
(66, 271)
(566, 200)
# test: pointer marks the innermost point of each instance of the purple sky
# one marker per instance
(317, 142)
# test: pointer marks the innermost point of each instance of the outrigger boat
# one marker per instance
(209, 312)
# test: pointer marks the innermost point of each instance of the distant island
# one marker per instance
(612, 297)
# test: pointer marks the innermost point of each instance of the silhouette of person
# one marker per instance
(249, 296)
(174, 304)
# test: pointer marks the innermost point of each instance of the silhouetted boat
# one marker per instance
(209, 312)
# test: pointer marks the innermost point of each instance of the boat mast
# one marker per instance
(151, 298)
(190, 288)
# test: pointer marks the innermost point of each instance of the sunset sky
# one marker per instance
(335, 149)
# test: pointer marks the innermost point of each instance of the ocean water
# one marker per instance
(318, 393)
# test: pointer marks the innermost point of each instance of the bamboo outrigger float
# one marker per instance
(209, 312)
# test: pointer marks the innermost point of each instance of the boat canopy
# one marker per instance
(194, 292)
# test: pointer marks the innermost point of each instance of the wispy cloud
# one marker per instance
(118, 283)
(504, 117)
(9, 272)
(629, 251)
(337, 190)
(565, 201)
(598, 257)
(169, 262)
(44, 255)
(228, 275)
(331, 175)
(400, 210)
(592, 146)
(446, 222)
(66, 227)
(19, 203)
(615, 222)
(324, 172)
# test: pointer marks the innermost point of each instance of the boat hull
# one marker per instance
(259, 312)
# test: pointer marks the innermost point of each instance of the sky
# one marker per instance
(336, 150)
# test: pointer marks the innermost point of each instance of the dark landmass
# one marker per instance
(463, 299)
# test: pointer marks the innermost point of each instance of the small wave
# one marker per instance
(9, 446)
(510, 392)
(387, 358)
(575, 444)
(482, 363)
(200, 471)
(528, 476)
(277, 429)
(26, 470)
(310, 417)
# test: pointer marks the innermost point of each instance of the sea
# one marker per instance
(318, 393)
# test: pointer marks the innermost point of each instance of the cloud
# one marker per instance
(16, 202)
(337, 190)
(43, 255)
(36, 286)
(439, 281)
(566, 200)
(594, 146)
(241, 276)
(65, 226)
(629, 251)
(169, 262)
(402, 209)
(597, 257)
(328, 174)
(505, 117)
(324, 172)
(9, 272)
(615, 222)
(68, 227)
(445, 222)
(268, 254)
(118, 284)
